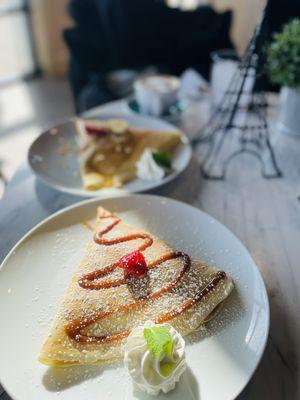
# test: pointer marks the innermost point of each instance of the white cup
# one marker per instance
(156, 94)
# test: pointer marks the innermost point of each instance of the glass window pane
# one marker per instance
(6, 5)
(16, 55)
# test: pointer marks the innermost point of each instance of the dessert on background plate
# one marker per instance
(113, 153)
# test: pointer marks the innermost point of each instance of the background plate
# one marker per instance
(34, 276)
(52, 161)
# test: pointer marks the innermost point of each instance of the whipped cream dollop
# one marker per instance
(159, 372)
(147, 168)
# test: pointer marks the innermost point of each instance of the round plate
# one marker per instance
(52, 157)
(34, 277)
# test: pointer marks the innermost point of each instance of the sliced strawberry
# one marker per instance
(134, 263)
(92, 130)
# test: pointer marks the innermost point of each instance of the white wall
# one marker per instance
(246, 15)
(49, 18)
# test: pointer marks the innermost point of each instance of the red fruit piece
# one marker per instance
(134, 264)
(100, 132)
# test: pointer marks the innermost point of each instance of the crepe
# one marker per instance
(111, 148)
(87, 328)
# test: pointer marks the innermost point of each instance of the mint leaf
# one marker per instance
(162, 158)
(159, 340)
(168, 348)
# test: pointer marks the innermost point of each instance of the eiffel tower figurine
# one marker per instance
(239, 123)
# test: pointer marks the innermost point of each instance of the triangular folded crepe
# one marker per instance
(111, 148)
(101, 308)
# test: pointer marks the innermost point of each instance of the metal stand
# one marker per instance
(239, 123)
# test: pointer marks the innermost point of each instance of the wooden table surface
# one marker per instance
(263, 214)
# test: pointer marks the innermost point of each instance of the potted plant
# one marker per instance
(284, 69)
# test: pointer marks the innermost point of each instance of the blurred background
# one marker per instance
(57, 56)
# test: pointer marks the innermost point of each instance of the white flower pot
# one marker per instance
(289, 112)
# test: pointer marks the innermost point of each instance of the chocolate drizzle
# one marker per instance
(91, 281)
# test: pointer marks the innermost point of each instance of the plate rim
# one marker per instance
(102, 192)
(157, 197)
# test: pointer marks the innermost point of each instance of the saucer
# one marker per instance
(173, 113)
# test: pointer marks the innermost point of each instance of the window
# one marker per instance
(15, 40)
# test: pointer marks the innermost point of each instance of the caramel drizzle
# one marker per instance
(89, 281)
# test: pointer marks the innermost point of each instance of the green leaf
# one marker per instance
(283, 62)
(169, 348)
(159, 340)
(162, 158)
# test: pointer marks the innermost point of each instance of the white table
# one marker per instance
(264, 214)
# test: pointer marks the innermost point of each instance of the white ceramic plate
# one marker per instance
(34, 276)
(60, 169)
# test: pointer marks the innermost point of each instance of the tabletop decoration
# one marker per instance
(239, 123)
(283, 68)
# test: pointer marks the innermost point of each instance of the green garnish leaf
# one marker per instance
(159, 340)
(162, 158)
